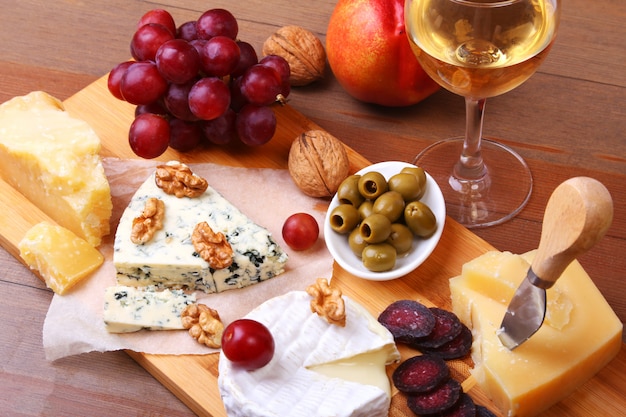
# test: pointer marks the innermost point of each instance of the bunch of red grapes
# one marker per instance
(197, 83)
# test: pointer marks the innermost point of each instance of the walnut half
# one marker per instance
(179, 180)
(327, 302)
(151, 220)
(212, 247)
(204, 324)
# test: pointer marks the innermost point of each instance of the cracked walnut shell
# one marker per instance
(318, 163)
(302, 50)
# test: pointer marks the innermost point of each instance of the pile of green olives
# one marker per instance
(380, 217)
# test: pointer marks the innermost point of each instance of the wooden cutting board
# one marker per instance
(193, 379)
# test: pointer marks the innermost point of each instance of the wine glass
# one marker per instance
(479, 49)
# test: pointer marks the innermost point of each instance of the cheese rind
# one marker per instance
(52, 159)
(169, 260)
(62, 258)
(130, 309)
(317, 367)
(580, 336)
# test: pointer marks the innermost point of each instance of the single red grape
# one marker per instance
(160, 16)
(247, 58)
(248, 344)
(217, 22)
(281, 66)
(115, 78)
(187, 31)
(178, 61)
(147, 40)
(300, 231)
(219, 56)
(260, 85)
(149, 135)
(220, 131)
(176, 100)
(209, 98)
(184, 136)
(255, 124)
(142, 83)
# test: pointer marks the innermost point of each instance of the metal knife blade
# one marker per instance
(577, 215)
(525, 313)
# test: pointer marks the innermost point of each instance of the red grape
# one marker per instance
(142, 83)
(219, 56)
(115, 78)
(220, 131)
(300, 231)
(184, 136)
(176, 100)
(247, 58)
(156, 107)
(281, 66)
(209, 98)
(255, 124)
(187, 31)
(260, 85)
(237, 100)
(248, 344)
(178, 61)
(147, 40)
(149, 135)
(217, 22)
(160, 16)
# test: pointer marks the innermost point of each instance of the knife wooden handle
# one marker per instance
(578, 214)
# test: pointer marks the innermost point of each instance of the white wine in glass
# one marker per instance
(479, 49)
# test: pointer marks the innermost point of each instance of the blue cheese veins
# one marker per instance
(129, 309)
(169, 259)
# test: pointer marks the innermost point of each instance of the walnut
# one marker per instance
(327, 302)
(212, 247)
(318, 163)
(303, 51)
(151, 220)
(177, 179)
(204, 324)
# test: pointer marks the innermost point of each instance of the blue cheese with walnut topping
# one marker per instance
(169, 259)
(129, 309)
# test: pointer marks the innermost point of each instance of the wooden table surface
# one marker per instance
(569, 119)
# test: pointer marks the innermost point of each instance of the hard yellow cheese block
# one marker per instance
(52, 158)
(581, 333)
(62, 258)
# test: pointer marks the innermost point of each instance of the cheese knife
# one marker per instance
(577, 215)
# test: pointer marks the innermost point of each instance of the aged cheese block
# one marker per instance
(581, 333)
(318, 369)
(130, 309)
(62, 258)
(169, 259)
(52, 158)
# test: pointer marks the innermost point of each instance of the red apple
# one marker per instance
(369, 53)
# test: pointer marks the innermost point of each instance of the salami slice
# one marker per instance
(420, 374)
(457, 348)
(447, 327)
(407, 319)
(436, 400)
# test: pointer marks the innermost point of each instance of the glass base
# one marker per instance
(495, 198)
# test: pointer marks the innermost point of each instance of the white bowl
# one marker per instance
(422, 248)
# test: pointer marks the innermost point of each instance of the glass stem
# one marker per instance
(470, 166)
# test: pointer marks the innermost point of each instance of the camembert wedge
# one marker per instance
(318, 369)
(581, 333)
(52, 159)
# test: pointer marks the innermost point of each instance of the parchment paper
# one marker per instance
(74, 321)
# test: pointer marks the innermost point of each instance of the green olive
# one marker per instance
(400, 238)
(375, 228)
(348, 191)
(356, 242)
(366, 208)
(379, 257)
(372, 184)
(420, 174)
(407, 185)
(391, 204)
(420, 219)
(344, 218)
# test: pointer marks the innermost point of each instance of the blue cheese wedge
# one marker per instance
(169, 259)
(130, 309)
